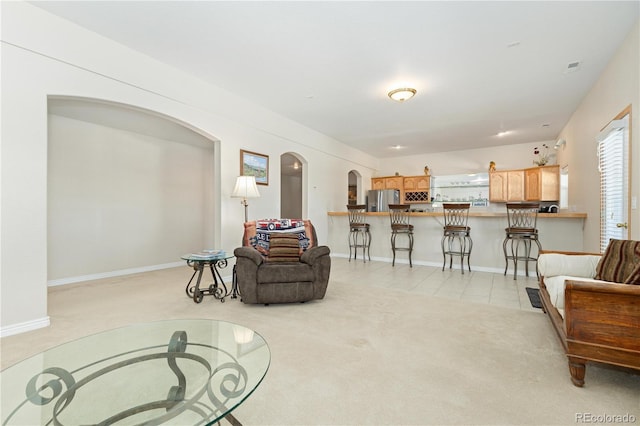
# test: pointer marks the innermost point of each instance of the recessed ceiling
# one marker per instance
(479, 68)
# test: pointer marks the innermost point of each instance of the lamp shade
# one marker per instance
(245, 188)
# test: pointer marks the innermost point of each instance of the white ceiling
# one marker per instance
(479, 67)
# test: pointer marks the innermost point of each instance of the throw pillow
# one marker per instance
(619, 261)
(634, 277)
(284, 248)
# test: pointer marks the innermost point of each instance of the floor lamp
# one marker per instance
(245, 188)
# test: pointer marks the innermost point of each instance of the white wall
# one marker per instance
(470, 161)
(121, 200)
(43, 56)
(617, 88)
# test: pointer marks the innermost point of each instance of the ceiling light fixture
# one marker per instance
(560, 143)
(503, 133)
(403, 94)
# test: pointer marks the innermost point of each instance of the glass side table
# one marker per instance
(177, 372)
(215, 261)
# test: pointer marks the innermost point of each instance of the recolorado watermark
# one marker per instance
(605, 418)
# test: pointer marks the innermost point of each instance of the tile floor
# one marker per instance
(477, 287)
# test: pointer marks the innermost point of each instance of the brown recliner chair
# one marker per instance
(261, 280)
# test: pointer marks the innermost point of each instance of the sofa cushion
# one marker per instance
(552, 264)
(555, 287)
(284, 248)
(619, 261)
(285, 272)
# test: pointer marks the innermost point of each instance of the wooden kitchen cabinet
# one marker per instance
(377, 183)
(416, 183)
(417, 189)
(394, 182)
(506, 186)
(542, 183)
(389, 182)
(498, 186)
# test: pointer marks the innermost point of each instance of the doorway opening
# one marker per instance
(292, 173)
(354, 188)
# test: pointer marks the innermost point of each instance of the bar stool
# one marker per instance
(456, 216)
(359, 235)
(399, 215)
(522, 219)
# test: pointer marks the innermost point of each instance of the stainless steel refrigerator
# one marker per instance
(379, 200)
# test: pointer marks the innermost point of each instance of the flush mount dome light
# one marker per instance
(403, 94)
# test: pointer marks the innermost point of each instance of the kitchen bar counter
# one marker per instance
(557, 231)
(561, 215)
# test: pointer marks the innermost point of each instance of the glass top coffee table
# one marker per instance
(180, 372)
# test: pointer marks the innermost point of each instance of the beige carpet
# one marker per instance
(365, 355)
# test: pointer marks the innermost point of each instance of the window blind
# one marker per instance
(612, 155)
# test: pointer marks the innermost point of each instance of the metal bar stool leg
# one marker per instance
(515, 256)
(462, 251)
(451, 241)
(368, 244)
(393, 248)
(469, 252)
(527, 255)
(506, 257)
(410, 248)
(444, 254)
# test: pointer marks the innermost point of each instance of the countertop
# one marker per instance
(561, 215)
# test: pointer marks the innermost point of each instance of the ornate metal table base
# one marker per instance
(218, 289)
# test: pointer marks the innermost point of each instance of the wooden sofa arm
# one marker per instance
(571, 253)
(603, 316)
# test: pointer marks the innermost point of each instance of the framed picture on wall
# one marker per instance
(254, 164)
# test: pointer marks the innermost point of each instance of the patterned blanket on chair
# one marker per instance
(257, 233)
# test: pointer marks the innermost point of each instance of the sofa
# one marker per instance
(596, 320)
(281, 262)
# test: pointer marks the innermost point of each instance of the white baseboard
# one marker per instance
(129, 271)
(24, 327)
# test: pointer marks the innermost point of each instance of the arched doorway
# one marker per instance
(354, 188)
(292, 170)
